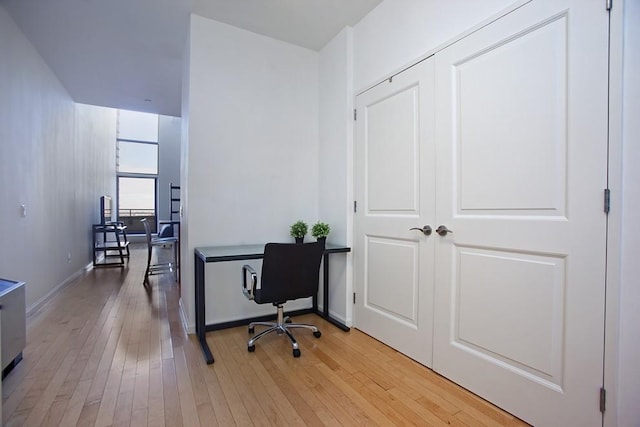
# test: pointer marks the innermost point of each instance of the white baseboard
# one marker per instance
(75, 276)
(338, 317)
(188, 328)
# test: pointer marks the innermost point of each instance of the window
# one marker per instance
(137, 169)
(137, 157)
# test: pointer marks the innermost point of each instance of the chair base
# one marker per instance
(281, 326)
(155, 269)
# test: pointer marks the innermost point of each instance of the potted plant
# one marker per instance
(299, 230)
(320, 230)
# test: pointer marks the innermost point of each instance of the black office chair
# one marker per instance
(159, 268)
(289, 271)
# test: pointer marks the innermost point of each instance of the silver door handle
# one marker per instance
(426, 230)
(443, 230)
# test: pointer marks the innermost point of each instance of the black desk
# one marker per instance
(246, 252)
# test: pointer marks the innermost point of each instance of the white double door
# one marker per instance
(502, 139)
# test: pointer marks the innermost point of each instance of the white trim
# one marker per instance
(338, 316)
(75, 276)
(350, 165)
(188, 328)
(614, 256)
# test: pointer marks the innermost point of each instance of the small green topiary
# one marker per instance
(320, 229)
(299, 229)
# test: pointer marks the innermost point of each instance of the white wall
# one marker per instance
(56, 157)
(252, 152)
(94, 169)
(397, 32)
(335, 186)
(629, 338)
(168, 162)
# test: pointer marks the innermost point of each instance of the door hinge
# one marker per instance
(607, 200)
(608, 4)
(355, 114)
(603, 399)
(354, 297)
(355, 206)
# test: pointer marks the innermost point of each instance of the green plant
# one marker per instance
(299, 229)
(320, 229)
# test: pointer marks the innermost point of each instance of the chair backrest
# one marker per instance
(147, 231)
(289, 271)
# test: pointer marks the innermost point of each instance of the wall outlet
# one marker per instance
(68, 257)
(23, 211)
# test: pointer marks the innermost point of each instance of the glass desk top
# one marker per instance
(242, 252)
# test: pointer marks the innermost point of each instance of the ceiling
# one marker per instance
(128, 53)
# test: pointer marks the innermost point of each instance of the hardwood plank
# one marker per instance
(105, 351)
(88, 415)
(423, 411)
(185, 390)
(46, 398)
(172, 411)
(252, 395)
(74, 407)
(298, 395)
(255, 371)
(214, 410)
(231, 394)
(204, 400)
(331, 401)
(109, 397)
(155, 413)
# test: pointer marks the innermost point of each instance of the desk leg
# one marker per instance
(325, 296)
(325, 284)
(201, 310)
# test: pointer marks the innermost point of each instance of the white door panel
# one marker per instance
(514, 127)
(391, 277)
(521, 147)
(393, 145)
(395, 192)
(531, 291)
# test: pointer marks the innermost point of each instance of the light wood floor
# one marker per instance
(106, 352)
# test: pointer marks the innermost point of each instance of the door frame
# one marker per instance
(614, 219)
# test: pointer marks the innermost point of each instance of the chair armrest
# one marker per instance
(248, 292)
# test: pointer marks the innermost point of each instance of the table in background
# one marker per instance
(204, 255)
(118, 246)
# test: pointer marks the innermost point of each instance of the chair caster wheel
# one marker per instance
(250, 330)
(251, 348)
(296, 352)
(317, 334)
(287, 320)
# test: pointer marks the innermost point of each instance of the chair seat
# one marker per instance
(164, 240)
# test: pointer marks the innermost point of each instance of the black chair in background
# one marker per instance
(159, 268)
(289, 271)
